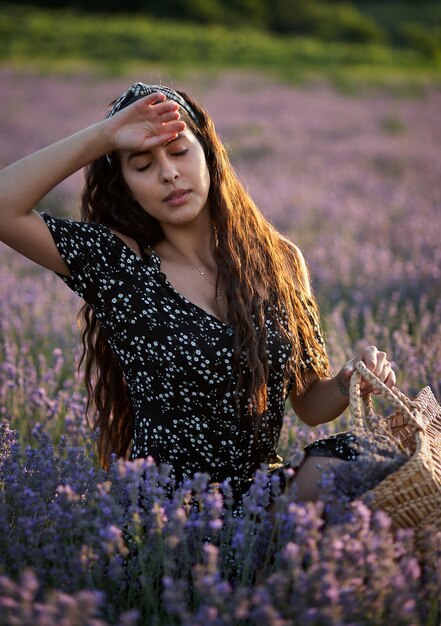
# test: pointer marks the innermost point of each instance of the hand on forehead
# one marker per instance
(139, 90)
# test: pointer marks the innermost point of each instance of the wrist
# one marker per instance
(106, 137)
(343, 383)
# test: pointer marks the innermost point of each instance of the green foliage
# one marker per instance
(337, 22)
(428, 42)
(200, 11)
(390, 15)
(393, 125)
(35, 32)
(58, 36)
(415, 25)
(250, 12)
(254, 13)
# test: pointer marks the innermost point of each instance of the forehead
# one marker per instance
(184, 134)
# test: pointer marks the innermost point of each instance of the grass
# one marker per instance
(391, 14)
(64, 41)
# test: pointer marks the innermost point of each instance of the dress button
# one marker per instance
(161, 275)
(230, 331)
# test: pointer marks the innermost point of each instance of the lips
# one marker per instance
(177, 194)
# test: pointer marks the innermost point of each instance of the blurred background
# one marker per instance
(273, 33)
(331, 113)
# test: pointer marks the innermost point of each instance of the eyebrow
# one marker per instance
(133, 155)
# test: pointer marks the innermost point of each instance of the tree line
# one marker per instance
(339, 20)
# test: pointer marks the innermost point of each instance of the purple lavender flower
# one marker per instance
(127, 546)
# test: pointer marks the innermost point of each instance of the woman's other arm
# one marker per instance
(325, 399)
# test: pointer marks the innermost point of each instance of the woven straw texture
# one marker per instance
(412, 494)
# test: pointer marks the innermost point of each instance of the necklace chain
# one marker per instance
(219, 294)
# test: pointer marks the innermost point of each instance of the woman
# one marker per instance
(199, 316)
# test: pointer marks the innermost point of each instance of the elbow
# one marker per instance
(310, 419)
(307, 405)
(303, 410)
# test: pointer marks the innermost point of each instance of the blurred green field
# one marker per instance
(390, 15)
(64, 39)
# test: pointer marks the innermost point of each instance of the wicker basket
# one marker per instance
(412, 494)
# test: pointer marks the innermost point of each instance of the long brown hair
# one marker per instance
(261, 271)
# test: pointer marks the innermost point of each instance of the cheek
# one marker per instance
(137, 186)
(200, 166)
(130, 183)
(204, 174)
(139, 192)
(207, 180)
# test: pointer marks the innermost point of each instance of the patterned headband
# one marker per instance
(139, 90)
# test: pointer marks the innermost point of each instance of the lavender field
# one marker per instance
(354, 180)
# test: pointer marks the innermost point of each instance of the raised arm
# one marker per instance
(149, 122)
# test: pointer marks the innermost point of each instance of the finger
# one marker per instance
(152, 98)
(387, 376)
(369, 357)
(164, 107)
(381, 365)
(169, 116)
(174, 126)
(154, 104)
(173, 129)
(159, 140)
(163, 134)
(383, 370)
(348, 369)
(391, 380)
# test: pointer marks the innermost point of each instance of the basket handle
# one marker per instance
(397, 399)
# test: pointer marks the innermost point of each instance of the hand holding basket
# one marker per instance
(412, 494)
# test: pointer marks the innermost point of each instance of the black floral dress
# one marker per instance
(177, 361)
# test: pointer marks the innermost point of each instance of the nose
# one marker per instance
(169, 172)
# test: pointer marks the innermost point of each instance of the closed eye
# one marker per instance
(143, 168)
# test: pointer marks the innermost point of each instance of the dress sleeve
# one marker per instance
(85, 248)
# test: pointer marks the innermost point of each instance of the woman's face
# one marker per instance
(170, 182)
